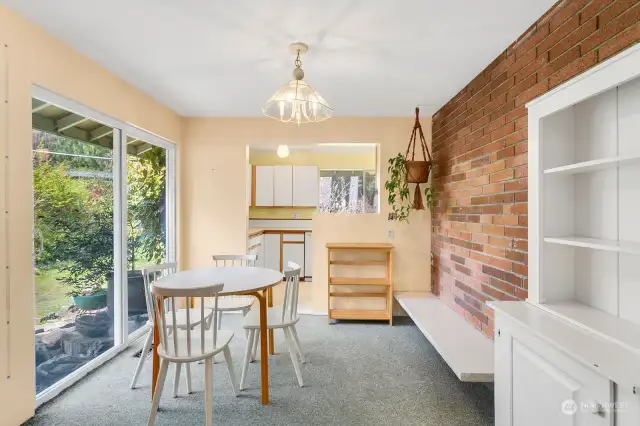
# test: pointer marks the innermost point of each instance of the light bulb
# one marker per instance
(283, 151)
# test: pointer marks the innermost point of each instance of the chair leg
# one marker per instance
(245, 311)
(143, 357)
(296, 341)
(164, 365)
(232, 373)
(294, 355)
(176, 379)
(208, 392)
(188, 368)
(247, 355)
(254, 350)
(219, 319)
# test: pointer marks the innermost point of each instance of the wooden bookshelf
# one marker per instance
(365, 258)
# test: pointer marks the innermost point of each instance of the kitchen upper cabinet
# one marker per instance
(305, 186)
(282, 186)
(264, 193)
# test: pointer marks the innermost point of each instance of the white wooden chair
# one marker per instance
(234, 303)
(282, 317)
(194, 315)
(187, 345)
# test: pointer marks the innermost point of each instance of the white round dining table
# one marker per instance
(237, 280)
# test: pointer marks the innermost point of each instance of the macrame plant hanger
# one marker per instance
(418, 170)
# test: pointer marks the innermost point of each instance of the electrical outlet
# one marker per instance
(296, 215)
(390, 234)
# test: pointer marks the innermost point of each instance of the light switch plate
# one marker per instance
(390, 234)
(296, 215)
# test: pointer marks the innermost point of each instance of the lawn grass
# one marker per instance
(51, 293)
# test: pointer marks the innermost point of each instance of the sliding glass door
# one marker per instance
(104, 195)
(146, 221)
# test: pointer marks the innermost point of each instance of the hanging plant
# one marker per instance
(404, 170)
(398, 188)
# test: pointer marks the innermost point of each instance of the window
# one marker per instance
(348, 191)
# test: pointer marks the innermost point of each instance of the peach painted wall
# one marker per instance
(213, 164)
(30, 56)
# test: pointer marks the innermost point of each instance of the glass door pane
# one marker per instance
(73, 161)
(146, 220)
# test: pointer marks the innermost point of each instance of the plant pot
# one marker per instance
(91, 302)
(136, 299)
(418, 171)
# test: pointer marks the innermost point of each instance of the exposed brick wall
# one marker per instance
(480, 152)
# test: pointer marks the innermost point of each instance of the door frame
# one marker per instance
(122, 339)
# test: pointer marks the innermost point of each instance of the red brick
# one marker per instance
(592, 9)
(517, 185)
(610, 29)
(505, 220)
(516, 256)
(500, 241)
(502, 175)
(617, 8)
(619, 42)
(507, 152)
(516, 161)
(494, 167)
(530, 40)
(559, 62)
(516, 232)
(521, 147)
(523, 220)
(522, 85)
(520, 269)
(531, 68)
(493, 188)
(532, 92)
(560, 33)
(494, 251)
(501, 263)
(573, 69)
(493, 229)
(493, 209)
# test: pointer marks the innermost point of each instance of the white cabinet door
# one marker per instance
(264, 185)
(305, 186)
(271, 243)
(308, 255)
(282, 185)
(293, 252)
(537, 385)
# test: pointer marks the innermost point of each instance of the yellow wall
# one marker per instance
(33, 57)
(324, 160)
(214, 188)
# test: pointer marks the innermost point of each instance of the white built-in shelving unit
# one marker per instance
(589, 208)
(577, 337)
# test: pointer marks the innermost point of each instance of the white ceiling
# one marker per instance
(226, 58)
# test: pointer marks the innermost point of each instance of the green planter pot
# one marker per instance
(91, 302)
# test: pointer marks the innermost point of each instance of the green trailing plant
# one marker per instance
(397, 186)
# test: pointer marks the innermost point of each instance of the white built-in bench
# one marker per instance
(468, 352)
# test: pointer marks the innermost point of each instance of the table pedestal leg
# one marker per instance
(264, 357)
(272, 347)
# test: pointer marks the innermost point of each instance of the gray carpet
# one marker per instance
(356, 374)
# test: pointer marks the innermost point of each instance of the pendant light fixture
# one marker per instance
(283, 151)
(296, 101)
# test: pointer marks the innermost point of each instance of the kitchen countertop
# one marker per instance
(252, 232)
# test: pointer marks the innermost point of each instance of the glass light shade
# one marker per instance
(283, 151)
(297, 102)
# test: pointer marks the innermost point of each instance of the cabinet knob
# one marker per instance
(596, 408)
